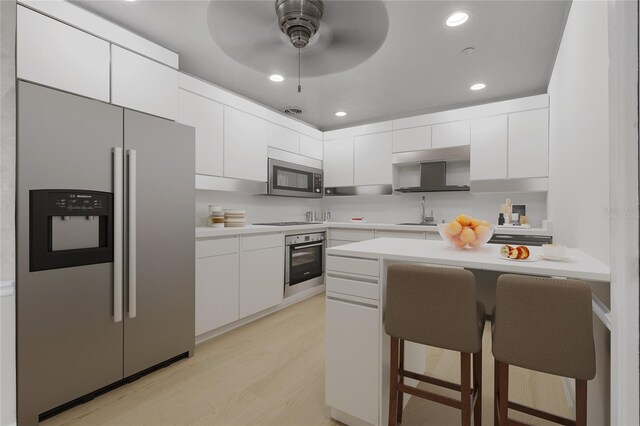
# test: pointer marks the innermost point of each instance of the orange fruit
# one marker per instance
(482, 231)
(454, 227)
(458, 243)
(475, 222)
(467, 235)
(463, 220)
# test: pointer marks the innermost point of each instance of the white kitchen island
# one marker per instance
(357, 348)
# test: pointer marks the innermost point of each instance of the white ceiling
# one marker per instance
(417, 68)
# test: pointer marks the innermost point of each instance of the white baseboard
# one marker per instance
(286, 302)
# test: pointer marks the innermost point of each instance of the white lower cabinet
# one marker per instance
(217, 283)
(261, 279)
(352, 364)
(216, 292)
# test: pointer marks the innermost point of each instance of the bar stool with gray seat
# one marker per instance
(435, 306)
(542, 324)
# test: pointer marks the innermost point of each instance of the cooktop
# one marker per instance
(288, 223)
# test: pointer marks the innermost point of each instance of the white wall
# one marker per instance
(579, 159)
(579, 133)
(379, 209)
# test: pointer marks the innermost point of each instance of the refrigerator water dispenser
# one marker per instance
(70, 228)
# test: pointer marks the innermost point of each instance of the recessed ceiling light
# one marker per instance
(129, 0)
(276, 77)
(340, 113)
(478, 86)
(468, 51)
(456, 18)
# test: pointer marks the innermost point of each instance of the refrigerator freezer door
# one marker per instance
(164, 323)
(67, 342)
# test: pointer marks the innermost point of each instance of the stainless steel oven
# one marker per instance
(304, 261)
(294, 180)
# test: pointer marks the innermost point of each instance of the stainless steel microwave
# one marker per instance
(294, 180)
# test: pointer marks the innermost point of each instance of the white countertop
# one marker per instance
(580, 265)
(206, 232)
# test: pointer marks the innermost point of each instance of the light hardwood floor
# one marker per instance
(271, 372)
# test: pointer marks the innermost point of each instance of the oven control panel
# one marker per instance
(317, 183)
(304, 238)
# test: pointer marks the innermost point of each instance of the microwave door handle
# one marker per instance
(307, 246)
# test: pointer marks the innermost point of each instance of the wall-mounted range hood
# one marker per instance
(433, 178)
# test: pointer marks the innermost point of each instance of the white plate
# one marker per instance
(531, 258)
(555, 258)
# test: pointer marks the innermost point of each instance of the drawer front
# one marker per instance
(352, 265)
(216, 247)
(257, 242)
(336, 243)
(401, 234)
(351, 234)
(353, 287)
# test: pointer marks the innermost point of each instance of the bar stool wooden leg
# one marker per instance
(496, 392)
(503, 401)
(477, 386)
(465, 388)
(401, 374)
(393, 383)
(581, 402)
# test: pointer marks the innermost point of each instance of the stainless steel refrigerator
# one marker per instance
(105, 256)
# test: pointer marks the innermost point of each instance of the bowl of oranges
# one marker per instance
(466, 231)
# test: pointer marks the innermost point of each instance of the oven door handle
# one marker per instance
(307, 246)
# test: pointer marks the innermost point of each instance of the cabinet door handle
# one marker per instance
(133, 290)
(117, 234)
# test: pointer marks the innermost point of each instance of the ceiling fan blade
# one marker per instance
(350, 33)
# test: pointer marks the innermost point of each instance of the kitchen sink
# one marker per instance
(417, 223)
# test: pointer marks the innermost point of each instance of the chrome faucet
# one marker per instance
(425, 218)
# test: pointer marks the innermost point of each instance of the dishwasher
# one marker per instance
(486, 280)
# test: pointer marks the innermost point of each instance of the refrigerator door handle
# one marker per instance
(117, 234)
(131, 153)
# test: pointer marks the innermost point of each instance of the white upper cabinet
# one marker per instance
(207, 117)
(446, 135)
(529, 144)
(60, 56)
(245, 145)
(413, 139)
(373, 159)
(283, 138)
(311, 147)
(489, 148)
(142, 84)
(338, 162)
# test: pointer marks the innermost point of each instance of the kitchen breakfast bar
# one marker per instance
(357, 348)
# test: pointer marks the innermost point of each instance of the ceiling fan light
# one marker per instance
(299, 19)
